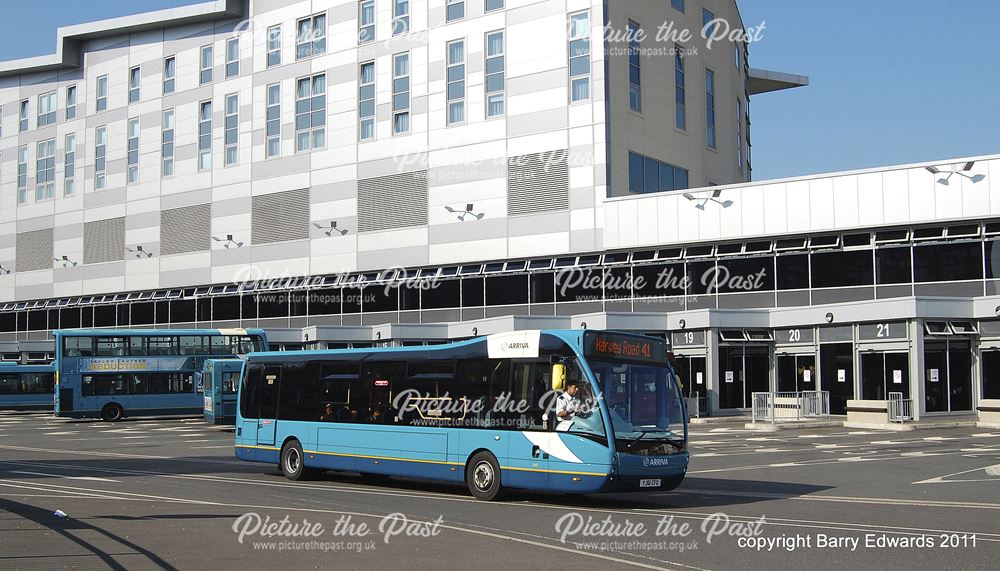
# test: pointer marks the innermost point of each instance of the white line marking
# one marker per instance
(88, 478)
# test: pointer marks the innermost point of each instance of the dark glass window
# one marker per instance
(542, 287)
(838, 269)
(380, 298)
(618, 283)
(204, 307)
(223, 308)
(948, 262)
(992, 254)
(299, 396)
(472, 292)
(744, 275)
(142, 314)
(893, 265)
(181, 310)
(575, 284)
(793, 272)
(352, 300)
(445, 293)
(297, 303)
(322, 302)
(700, 276)
(635, 177)
(409, 297)
(659, 280)
(507, 290)
(8, 321)
(269, 305)
(38, 320)
(105, 316)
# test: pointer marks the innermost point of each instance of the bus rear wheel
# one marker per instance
(482, 476)
(293, 462)
(112, 412)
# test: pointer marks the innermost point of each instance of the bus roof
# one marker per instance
(154, 332)
(8, 367)
(509, 344)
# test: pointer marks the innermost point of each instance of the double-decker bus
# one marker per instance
(111, 373)
(482, 411)
(25, 387)
(221, 380)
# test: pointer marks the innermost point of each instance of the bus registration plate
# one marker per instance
(650, 483)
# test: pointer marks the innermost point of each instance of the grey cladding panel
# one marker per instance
(280, 217)
(104, 240)
(393, 201)
(538, 183)
(34, 251)
(186, 229)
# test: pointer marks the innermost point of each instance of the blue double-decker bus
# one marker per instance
(24, 387)
(221, 381)
(113, 373)
(564, 411)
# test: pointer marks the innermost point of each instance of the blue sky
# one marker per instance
(892, 81)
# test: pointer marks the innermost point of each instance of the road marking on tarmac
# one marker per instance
(88, 478)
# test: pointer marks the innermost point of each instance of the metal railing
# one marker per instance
(900, 409)
(790, 406)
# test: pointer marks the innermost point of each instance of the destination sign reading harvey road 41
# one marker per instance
(625, 347)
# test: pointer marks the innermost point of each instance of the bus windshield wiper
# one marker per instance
(642, 433)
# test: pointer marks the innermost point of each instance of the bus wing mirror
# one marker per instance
(558, 377)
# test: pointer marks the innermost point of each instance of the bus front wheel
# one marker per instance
(112, 412)
(293, 462)
(482, 475)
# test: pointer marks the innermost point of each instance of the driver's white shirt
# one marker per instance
(566, 403)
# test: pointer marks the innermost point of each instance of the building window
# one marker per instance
(70, 102)
(100, 156)
(169, 71)
(69, 165)
(456, 82)
(739, 134)
(634, 76)
(310, 36)
(132, 171)
(205, 136)
(366, 101)
(455, 10)
(710, 107)
(401, 93)
(493, 5)
(273, 128)
(708, 24)
(646, 175)
(495, 74)
(22, 174)
(232, 123)
(680, 120)
(366, 21)
(134, 80)
(736, 47)
(232, 57)
(274, 45)
(46, 109)
(205, 75)
(102, 93)
(310, 113)
(579, 56)
(400, 17)
(23, 116)
(167, 143)
(678, 5)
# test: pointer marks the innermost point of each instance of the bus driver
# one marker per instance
(567, 406)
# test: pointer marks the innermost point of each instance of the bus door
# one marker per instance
(267, 418)
(521, 410)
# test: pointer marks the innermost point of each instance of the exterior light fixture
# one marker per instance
(228, 242)
(583, 325)
(467, 212)
(475, 330)
(682, 323)
(139, 252)
(331, 229)
(65, 261)
(6, 271)
(962, 172)
(829, 318)
(703, 200)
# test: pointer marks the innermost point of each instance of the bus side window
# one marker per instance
(250, 398)
(88, 386)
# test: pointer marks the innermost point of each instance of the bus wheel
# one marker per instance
(112, 412)
(293, 462)
(482, 475)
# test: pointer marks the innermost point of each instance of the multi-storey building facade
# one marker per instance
(384, 171)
